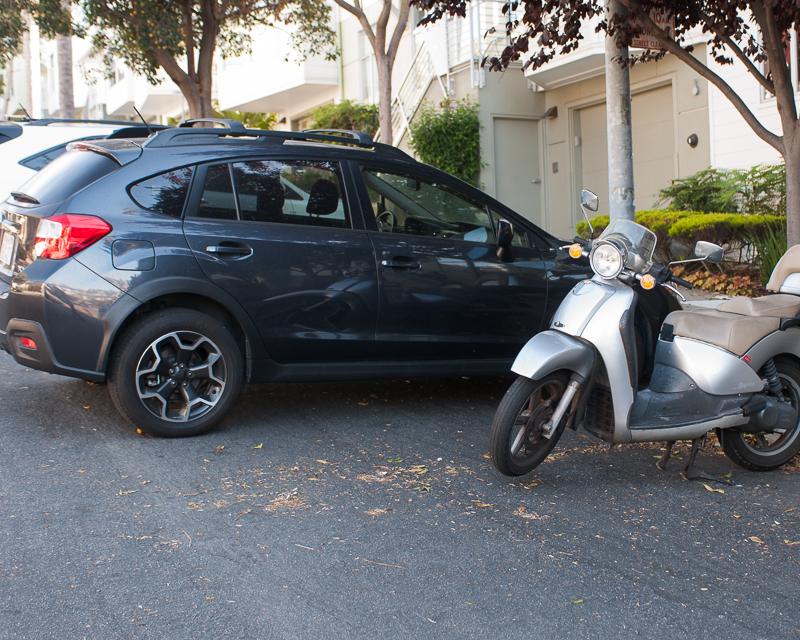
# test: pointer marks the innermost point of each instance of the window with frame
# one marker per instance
(164, 193)
(404, 203)
(291, 192)
(218, 200)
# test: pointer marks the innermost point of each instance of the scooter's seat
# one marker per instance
(779, 305)
(733, 332)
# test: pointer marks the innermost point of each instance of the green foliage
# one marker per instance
(250, 119)
(737, 231)
(769, 245)
(181, 36)
(51, 16)
(449, 138)
(760, 189)
(346, 114)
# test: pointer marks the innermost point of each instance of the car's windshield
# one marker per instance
(639, 242)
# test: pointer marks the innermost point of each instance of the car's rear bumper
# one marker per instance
(63, 308)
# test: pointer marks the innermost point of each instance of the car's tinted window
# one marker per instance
(41, 160)
(164, 193)
(292, 192)
(403, 203)
(218, 200)
(66, 175)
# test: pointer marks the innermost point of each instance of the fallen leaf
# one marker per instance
(708, 487)
(482, 505)
(126, 492)
(219, 449)
(260, 445)
(395, 460)
(418, 469)
(376, 512)
(139, 431)
(578, 601)
(87, 406)
(363, 403)
(791, 543)
(737, 516)
(756, 539)
(195, 506)
(323, 461)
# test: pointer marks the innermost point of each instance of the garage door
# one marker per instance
(653, 147)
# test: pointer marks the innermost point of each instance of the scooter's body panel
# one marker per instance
(551, 351)
(713, 369)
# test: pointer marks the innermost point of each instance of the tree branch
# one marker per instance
(356, 10)
(673, 47)
(380, 27)
(399, 30)
(781, 78)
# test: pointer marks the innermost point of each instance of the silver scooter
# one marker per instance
(734, 369)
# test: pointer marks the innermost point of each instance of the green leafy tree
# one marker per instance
(755, 33)
(181, 37)
(449, 138)
(346, 115)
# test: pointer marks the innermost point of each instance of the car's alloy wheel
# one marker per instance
(181, 376)
(176, 372)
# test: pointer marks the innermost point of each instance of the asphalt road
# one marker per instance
(369, 510)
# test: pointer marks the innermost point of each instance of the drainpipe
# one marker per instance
(618, 123)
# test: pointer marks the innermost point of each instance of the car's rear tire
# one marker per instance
(175, 372)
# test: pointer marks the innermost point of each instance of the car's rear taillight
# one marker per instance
(64, 235)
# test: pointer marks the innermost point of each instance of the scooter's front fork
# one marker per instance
(575, 383)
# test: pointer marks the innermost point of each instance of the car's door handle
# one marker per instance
(232, 250)
(401, 262)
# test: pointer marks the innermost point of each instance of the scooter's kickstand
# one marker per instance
(661, 465)
(690, 473)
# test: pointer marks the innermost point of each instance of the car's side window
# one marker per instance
(291, 192)
(403, 203)
(218, 200)
(164, 193)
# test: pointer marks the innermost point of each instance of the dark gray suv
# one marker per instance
(181, 267)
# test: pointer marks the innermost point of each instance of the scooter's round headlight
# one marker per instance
(606, 260)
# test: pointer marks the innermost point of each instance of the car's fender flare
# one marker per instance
(129, 303)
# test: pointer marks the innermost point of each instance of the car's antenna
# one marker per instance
(25, 111)
(141, 117)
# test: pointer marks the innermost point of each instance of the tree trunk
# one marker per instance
(385, 98)
(66, 90)
(792, 160)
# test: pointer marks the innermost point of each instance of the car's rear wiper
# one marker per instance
(24, 197)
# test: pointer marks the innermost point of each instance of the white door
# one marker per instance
(518, 179)
(653, 147)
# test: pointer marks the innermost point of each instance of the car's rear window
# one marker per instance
(67, 174)
(164, 193)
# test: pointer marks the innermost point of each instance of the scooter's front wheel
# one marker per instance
(517, 444)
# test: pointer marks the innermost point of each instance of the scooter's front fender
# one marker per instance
(551, 351)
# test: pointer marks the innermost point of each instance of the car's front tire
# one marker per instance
(176, 372)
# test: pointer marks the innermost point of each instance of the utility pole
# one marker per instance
(618, 124)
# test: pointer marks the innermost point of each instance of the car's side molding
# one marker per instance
(151, 290)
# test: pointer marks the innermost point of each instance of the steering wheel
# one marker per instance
(387, 220)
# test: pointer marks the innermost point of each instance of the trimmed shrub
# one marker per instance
(449, 139)
(347, 115)
(678, 231)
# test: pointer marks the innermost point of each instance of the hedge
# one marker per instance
(735, 230)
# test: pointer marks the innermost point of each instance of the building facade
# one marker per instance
(543, 132)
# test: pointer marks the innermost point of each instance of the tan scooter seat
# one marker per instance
(737, 324)
(731, 331)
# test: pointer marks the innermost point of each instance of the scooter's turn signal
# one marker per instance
(575, 251)
(647, 281)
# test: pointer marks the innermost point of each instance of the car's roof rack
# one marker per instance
(186, 133)
(43, 122)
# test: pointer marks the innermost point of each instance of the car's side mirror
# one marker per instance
(505, 236)
(589, 200)
(709, 251)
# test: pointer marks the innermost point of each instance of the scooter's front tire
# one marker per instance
(516, 443)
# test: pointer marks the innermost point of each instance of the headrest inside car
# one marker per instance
(323, 199)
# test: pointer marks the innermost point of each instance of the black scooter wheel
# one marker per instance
(516, 444)
(768, 450)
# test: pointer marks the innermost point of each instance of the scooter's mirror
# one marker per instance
(589, 200)
(709, 251)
